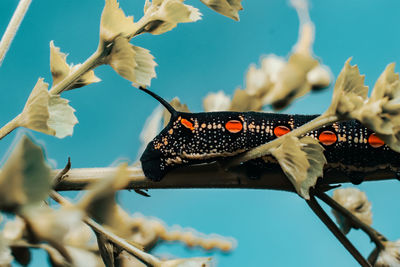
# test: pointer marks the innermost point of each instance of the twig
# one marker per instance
(263, 150)
(375, 236)
(120, 242)
(12, 27)
(317, 209)
(58, 178)
(210, 175)
(9, 127)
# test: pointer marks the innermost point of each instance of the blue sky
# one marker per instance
(272, 228)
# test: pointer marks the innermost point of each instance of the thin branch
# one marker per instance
(120, 242)
(263, 150)
(9, 127)
(210, 175)
(375, 236)
(12, 27)
(317, 209)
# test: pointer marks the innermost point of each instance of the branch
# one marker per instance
(210, 175)
(317, 209)
(12, 27)
(374, 235)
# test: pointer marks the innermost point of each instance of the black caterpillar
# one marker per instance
(193, 138)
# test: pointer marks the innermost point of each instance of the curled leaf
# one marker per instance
(134, 63)
(381, 112)
(229, 8)
(178, 106)
(25, 177)
(349, 93)
(114, 22)
(354, 201)
(216, 102)
(242, 101)
(302, 160)
(164, 15)
(49, 114)
(60, 69)
(389, 256)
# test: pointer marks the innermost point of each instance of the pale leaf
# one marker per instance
(291, 81)
(319, 77)
(178, 106)
(354, 201)
(190, 262)
(349, 93)
(381, 113)
(52, 225)
(216, 102)
(302, 161)
(60, 69)
(134, 63)
(62, 118)
(49, 114)
(389, 256)
(229, 8)
(114, 22)
(5, 252)
(164, 15)
(25, 177)
(36, 111)
(100, 202)
(242, 101)
(80, 257)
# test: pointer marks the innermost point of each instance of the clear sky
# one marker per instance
(272, 228)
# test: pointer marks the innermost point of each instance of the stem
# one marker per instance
(210, 175)
(375, 236)
(263, 150)
(89, 64)
(12, 27)
(9, 127)
(317, 209)
(120, 242)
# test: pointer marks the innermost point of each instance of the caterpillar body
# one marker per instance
(193, 138)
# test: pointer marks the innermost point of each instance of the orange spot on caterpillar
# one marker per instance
(375, 141)
(281, 130)
(234, 126)
(187, 124)
(327, 138)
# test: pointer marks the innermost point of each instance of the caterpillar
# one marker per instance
(194, 138)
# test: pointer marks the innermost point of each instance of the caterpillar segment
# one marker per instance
(193, 138)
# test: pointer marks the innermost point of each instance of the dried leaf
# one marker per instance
(14, 229)
(5, 253)
(106, 249)
(60, 69)
(99, 202)
(216, 102)
(204, 262)
(319, 77)
(52, 225)
(242, 101)
(164, 15)
(178, 106)
(114, 22)
(49, 114)
(134, 63)
(349, 93)
(354, 201)
(302, 160)
(389, 256)
(381, 112)
(25, 177)
(291, 81)
(229, 8)
(125, 259)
